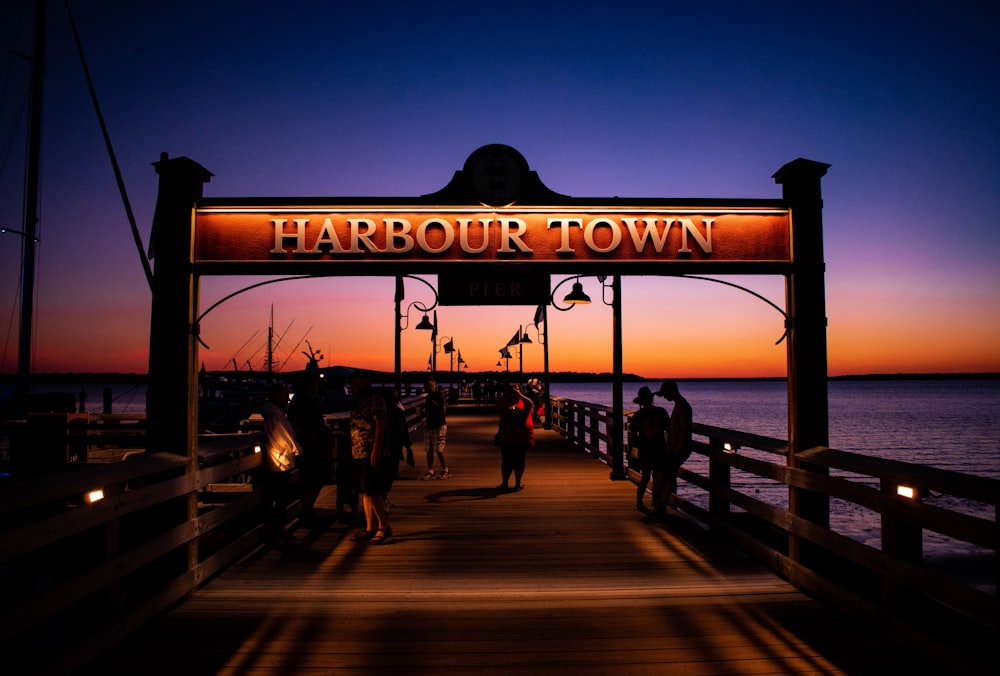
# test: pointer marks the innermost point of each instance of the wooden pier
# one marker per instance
(560, 578)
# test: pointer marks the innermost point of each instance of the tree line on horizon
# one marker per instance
(555, 376)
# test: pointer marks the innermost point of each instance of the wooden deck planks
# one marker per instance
(559, 578)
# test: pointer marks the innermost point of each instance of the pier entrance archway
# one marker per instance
(494, 220)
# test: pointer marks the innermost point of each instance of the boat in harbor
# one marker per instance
(228, 398)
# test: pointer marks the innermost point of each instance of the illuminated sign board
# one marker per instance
(420, 234)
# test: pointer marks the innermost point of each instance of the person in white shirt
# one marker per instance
(279, 460)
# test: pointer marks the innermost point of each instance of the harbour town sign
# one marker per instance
(495, 221)
(228, 234)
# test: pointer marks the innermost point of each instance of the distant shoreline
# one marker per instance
(562, 376)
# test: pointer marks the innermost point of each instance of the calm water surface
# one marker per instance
(951, 424)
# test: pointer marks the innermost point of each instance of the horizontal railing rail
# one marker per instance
(740, 486)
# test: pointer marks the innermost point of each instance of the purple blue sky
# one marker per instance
(634, 99)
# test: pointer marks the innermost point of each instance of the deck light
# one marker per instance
(256, 448)
(909, 492)
(94, 496)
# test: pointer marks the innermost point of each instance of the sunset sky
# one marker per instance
(631, 99)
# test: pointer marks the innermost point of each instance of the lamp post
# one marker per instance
(515, 341)
(505, 358)
(525, 339)
(616, 444)
(444, 344)
(423, 325)
(541, 316)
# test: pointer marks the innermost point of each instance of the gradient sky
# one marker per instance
(636, 99)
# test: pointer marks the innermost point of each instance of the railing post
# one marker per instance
(720, 476)
(594, 431)
(900, 539)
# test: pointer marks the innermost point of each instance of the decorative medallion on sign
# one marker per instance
(496, 175)
(496, 172)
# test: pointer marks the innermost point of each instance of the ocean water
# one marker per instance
(950, 424)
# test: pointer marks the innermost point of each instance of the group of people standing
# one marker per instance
(364, 471)
(663, 442)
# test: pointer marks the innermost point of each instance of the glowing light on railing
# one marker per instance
(94, 496)
(257, 449)
(729, 448)
(906, 492)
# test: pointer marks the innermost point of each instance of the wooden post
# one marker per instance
(720, 476)
(172, 400)
(900, 539)
(616, 443)
(808, 414)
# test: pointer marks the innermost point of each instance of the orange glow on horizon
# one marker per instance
(672, 328)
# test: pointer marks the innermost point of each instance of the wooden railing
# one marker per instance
(80, 573)
(745, 488)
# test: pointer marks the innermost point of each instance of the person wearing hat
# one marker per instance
(647, 428)
(678, 436)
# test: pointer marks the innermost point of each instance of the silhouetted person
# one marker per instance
(515, 435)
(678, 439)
(435, 409)
(369, 450)
(400, 446)
(279, 460)
(647, 431)
(315, 465)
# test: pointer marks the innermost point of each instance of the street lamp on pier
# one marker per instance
(541, 317)
(403, 321)
(577, 296)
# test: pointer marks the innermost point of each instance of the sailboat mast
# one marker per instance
(31, 210)
(270, 343)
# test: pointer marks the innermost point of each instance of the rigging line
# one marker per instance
(111, 153)
(243, 346)
(294, 348)
(8, 145)
(10, 325)
(281, 339)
